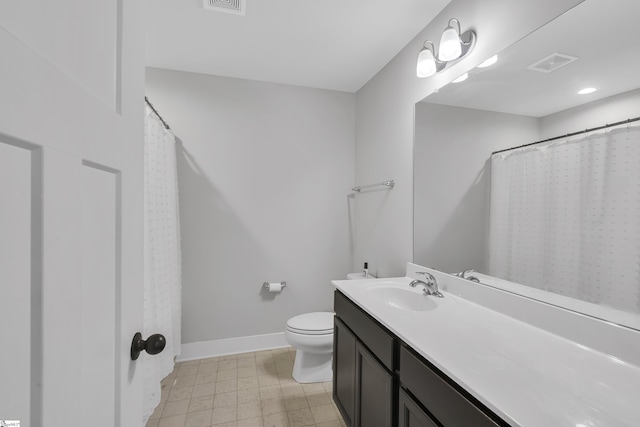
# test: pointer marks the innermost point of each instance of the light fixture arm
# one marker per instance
(467, 39)
(457, 23)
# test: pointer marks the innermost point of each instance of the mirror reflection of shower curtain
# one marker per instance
(565, 217)
(162, 281)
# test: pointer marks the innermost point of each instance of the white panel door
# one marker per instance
(71, 212)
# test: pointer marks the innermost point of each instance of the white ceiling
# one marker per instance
(328, 44)
(602, 34)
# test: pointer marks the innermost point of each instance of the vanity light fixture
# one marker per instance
(489, 62)
(453, 47)
(587, 90)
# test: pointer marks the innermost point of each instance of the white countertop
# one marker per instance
(526, 375)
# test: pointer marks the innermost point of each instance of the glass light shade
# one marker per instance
(426, 63)
(450, 47)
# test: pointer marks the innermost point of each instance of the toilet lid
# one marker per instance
(318, 323)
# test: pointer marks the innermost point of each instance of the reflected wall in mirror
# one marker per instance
(507, 105)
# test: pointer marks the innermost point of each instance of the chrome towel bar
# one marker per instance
(390, 183)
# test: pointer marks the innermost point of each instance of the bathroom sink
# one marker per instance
(404, 299)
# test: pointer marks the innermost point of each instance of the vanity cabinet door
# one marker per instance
(410, 414)
(374, 391)
(344, 370)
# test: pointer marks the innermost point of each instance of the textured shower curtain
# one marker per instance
(162, 286)
(565, 217)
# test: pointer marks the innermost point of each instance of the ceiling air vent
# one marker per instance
(237, 7)
(552, 62)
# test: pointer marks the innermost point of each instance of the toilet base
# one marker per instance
(312, 368)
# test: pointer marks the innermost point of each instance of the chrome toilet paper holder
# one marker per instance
(266, 285)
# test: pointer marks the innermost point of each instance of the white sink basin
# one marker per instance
(404, 299)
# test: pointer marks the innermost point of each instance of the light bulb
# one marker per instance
(426, 63)
(489, 62)
(586, 90)
(462, 78)
(450, 47)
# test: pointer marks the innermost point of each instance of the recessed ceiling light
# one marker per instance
(461, 78)
(586, 90)
(489, 62)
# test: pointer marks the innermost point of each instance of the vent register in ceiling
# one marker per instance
(552, 62)
(236, 7)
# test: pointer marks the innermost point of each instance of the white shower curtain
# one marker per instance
(565, 217)
(162, 286)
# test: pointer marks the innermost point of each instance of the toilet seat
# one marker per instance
(318, 323)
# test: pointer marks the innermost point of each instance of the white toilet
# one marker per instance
(312, 336)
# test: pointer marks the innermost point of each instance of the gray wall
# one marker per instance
(608, 110)
(264, 171)
(384, 121)
(452, 171)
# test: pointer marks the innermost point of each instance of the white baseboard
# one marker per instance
(223, 347)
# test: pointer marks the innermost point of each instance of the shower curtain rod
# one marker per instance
(166, 126)
(635, 119)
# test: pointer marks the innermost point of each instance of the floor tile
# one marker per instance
(250, 395)
(224, 414)
(270, 392)
(273, 406)
(180, 393)
(185, 381)
(173, 421)
(250, 422)
(203, 390)
(244, 390)
(250, 371)
(276, 420)
(188, 370)
(227, 374)
(225, 399)
(249, 410)
(325, 413)
(175, 408)
(318, 399)
(246, 383)
(301, 417)
(201, 403)
(295, 402)
(198, 419)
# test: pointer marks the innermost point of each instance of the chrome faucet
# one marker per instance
(430, 285)
(472, 278)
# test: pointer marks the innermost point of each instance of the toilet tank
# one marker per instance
(359, 276)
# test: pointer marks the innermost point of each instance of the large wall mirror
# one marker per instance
(529, 94)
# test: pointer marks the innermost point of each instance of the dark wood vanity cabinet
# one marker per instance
(363, 383)
(378, 381)
(344, 370)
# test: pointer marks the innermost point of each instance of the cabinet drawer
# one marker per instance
(448, 405)
(369, 331)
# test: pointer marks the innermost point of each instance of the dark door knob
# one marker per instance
(153, 345)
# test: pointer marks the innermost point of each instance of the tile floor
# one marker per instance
(243, 390)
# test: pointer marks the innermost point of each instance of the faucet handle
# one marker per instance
(428, 276)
